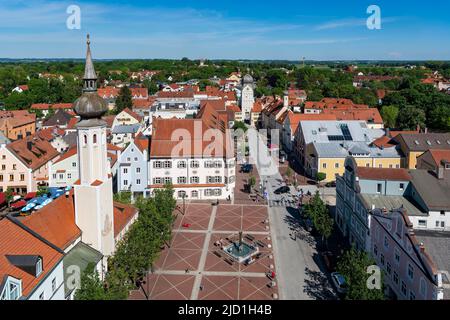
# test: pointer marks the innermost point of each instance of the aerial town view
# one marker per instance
(194, 150)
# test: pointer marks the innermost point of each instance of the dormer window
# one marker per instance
(38, 267)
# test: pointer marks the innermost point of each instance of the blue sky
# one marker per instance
(282, 29)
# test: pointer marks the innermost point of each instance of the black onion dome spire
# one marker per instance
(90, 104)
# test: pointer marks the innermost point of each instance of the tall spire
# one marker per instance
(90, 105)
(89, 71)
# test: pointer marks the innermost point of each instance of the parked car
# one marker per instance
(331, 184)
(329, 260)
(339, 282)
(282, 190)
(247, 168)
(282, 157)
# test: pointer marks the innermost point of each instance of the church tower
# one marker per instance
(247, 96)
(93, 193)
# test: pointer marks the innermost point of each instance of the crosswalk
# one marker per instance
(283, 203)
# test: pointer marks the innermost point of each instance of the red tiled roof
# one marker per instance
(123, 214)
(381, 93)
(69, 153)
(393, 134)
(73, 151)
(15, 240)
(113, 92)
(190, 142)
(296, 118)
(133, 114)
(439, 155)
(257, 106)
(112, 147)
(233, 108)
(15, 118)
(142, 142)
(383, 173)
(50, 133)
(40, 152)
(181, 94)
(370, 115)
(72, 122)
(47, 106)
(56, 222)
(143, 103)
(384, 141)
(96, 183)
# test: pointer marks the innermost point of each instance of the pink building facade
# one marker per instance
(409, 272)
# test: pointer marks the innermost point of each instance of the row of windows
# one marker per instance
(125, 182)
(337, 166)
(60, 176)
(194, 164)
(194, 193)
(85, 139)
(11, 177)
(395, 276)
(438, 224)
(14, 167)
(192, 180)
(125, 170)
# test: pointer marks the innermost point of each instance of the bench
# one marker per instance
(260, 243)
(250, 237)
(217, 253)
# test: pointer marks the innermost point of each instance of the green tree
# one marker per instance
(240, 125)
(353, 266)
(317, 211)
(42, 191)
(91, 287)
(124, 100)
(320, 176)
(123, 197)
(389, 115)
(410, 117)
(251, 183)
(9, 194)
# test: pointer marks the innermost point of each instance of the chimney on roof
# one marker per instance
(418, 128)
(422, 247)
(440, 171)
(286, 99)
(388, 132)
(426, 130)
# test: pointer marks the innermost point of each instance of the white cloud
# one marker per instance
(350, 23)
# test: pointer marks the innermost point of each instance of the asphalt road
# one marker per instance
(299, 275)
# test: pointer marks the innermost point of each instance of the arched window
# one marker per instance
(94, 138)
(85, 139)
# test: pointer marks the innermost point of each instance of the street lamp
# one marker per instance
(184, 203)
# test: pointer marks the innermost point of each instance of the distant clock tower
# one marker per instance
(247, 96)
(93, 193)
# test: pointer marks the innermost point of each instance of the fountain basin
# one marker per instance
(241, 252)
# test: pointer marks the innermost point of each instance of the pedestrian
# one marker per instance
(201, 287)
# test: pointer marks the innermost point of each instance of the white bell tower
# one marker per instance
(247, 97)
(94, 213)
